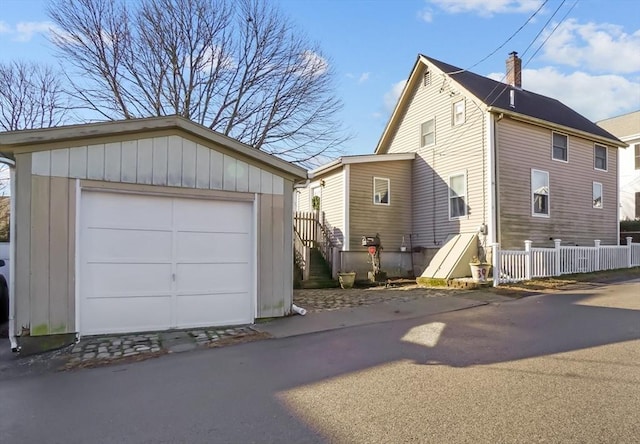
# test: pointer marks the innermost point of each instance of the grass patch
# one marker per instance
(567, 280)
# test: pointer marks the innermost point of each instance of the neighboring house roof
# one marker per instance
(346, 160)
(14, 141)
(626, 126)
(497, 97)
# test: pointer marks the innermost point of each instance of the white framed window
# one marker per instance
(636, 152)
(428, 133)
(597, 195)
(458, 112)
(600, 157)
(560, 147)
(457, 196)
(381, 191)
(539, 193)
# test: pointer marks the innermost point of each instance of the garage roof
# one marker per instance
(14, 141)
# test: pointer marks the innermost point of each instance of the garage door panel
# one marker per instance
(213, 247)
(127, 211)
(132, 314)
(227, 308)
(200, 215)
(116, 280)
(213, 277)
(128, 245)
(153, 263)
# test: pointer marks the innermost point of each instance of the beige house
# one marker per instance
(491, 159)
(627, 129)
(141, 225)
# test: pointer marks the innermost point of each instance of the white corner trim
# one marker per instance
(491, 179)
(345, 233)
(77, 273)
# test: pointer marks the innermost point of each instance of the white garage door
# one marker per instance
(154, 263)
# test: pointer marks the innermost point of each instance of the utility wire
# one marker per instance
(506, 41)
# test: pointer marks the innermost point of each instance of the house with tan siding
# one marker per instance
(492, 161)
(627, 129)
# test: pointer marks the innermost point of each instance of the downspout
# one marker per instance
(12, 252)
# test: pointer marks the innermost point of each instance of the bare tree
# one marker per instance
(238, 67)
(31, 96)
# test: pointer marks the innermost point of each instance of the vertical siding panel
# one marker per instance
(23, 241)
(112, 161)
(144, 163)
(278, 185)
(230, 173)
(60, 162)
(41, 163)
(129, 161)
(266, 182)
(95, 162)
(216, 173)
(71, 264)
(40, 194)
(254, 179)
(160, 160)
(265, 258)
(188, 163)
(78, 162)
(175, 161)
(59, 256)
(202, 167)
(278, 255)
(242, 176)
(287, 247)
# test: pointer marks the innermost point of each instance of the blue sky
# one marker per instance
(591, 62)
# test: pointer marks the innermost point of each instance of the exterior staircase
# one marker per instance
(319, 272)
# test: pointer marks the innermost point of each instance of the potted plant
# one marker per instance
(479, 269)
(346, 278)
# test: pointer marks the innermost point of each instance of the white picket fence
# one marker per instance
(518, 265)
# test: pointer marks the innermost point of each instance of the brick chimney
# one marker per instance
(514, 70)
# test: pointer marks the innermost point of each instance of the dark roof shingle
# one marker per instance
(494, 93)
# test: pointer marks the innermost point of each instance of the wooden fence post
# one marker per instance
(558, 268)
(629, 240)
(527, 260)
(495, 257)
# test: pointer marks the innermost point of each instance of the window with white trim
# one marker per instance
(428, 133)
(560, 148)
(457, 196)
(636, 149)
(381, 191)
(458, 112)
(539, 193)
(597, 195)
(600, 157)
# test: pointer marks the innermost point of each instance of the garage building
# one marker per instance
(144, 225)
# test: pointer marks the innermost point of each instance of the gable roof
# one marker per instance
(625, 127)
(496, 96)
(16, 141)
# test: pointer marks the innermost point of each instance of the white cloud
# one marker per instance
(600, 47)
(487, 8)
(312, 63)
(364, 77)
(594, 96)
(24, 30)
(391, 97)
(4, 28)
(426, 15)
